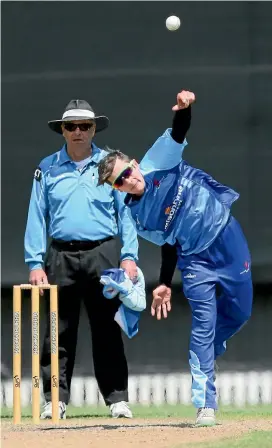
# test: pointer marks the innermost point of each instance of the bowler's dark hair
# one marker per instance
(106, 165)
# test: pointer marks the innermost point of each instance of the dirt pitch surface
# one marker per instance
(136, 433)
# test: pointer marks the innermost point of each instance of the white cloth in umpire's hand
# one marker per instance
(132, 294)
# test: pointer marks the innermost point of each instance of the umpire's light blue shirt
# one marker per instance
(67, 204)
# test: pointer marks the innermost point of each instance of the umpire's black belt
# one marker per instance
(76, 245)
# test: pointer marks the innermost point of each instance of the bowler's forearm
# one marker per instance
(181, 124)
(168, 264)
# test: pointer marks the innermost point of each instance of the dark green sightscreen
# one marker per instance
(120, 57)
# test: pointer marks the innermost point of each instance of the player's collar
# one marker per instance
(132, 197)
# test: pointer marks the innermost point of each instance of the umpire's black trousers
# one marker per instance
(76, 268)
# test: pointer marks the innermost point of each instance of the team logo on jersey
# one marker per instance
(156, 183)
(38, 174)
(247, 268)
(167, 210)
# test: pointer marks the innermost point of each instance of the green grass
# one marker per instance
(166, 411)
(255, 439)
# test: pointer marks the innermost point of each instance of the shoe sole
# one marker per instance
(49, 417)
(121, 416)
(205, 424)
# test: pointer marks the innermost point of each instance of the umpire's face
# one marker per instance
(78, 133)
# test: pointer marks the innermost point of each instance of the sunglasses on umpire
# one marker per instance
(71, 127)
(124, 174)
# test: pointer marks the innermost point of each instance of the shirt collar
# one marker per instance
(128, 198)
(97, 155)
(132, 198)
(63, 158)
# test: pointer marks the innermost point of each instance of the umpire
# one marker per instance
(82, 221)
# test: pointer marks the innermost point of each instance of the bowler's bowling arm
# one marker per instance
(181, 124)
(166, 152)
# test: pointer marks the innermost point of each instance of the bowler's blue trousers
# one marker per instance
(217, 283)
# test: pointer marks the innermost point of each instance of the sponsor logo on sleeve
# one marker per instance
(38, 174)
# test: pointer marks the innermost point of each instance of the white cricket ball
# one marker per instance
(172, 23)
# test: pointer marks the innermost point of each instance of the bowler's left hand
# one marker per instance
(161, 303)
(130, 267)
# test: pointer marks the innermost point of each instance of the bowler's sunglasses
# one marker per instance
(71, 127)
(124, 174)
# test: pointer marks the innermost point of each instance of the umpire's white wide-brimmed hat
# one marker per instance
(79, 110)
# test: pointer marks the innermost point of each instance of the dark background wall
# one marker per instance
(120, 57)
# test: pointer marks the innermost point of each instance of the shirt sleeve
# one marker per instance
(168, 264)
(127, 231)
(35, 233)
(167, 151)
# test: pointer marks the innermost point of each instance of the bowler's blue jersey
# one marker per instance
(181, 204)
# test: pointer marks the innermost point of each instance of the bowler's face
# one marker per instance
(127, 177)
(79, 132)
